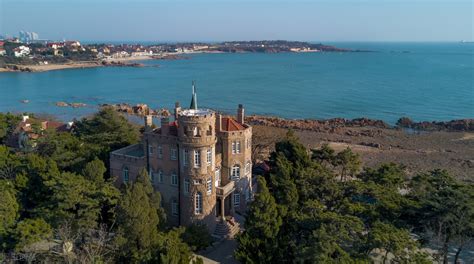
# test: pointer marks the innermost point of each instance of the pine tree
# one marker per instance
(262, 224)
(138, 219)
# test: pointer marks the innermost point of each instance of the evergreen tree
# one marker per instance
(95, 171)
(138, 219)
(9, 208)
(30, 231)
(445, 207)
(257, 244)
(349, 162)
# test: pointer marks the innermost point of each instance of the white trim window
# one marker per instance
(197, 158)
(235, 172)
(238, 146)
(160, 176)
(198, 203)
(150, 150)
(174, 178)
(160, 152)
(173, 153)
(185, 157)
(233, 147)
(209, 156)
(174, 208)
(125, 175)
(187, 186)
(217, 177)
(247, 167)
(236, 199)
(209, 185)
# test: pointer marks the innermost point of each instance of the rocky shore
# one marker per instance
(332, 125)
(453, 125)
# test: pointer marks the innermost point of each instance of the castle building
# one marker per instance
(200, 163)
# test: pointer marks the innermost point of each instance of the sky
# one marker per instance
(220, 20)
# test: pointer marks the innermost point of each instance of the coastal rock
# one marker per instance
(62, 104)
(329, 126)
(453, 125)
(76, 105)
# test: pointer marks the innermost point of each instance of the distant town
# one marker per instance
(28, 52)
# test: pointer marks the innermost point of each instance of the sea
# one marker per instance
(423, 81)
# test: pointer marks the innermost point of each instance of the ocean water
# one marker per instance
(424, 81)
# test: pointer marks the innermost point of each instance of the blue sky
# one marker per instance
(213, 20)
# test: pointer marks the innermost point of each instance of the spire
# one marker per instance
(194, 98)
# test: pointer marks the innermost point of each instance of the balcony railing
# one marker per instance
(225, 190)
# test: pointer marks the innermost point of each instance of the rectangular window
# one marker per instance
(160, 176)
(185, 157)
(125, 175)
(174, 179)
(187, 186)
(209, 156)
(235, 172)
(198, 203)
(209, 185)
(197, 158)
(174, 208)
(173, 153)
(160, 152)
(151, 175)
(236, 199)
(238, 146)
(150, 150)
(218, 177)
(233, 147)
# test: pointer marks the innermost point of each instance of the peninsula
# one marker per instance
(52, 55)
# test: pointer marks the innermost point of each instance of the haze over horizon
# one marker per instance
(211, 20)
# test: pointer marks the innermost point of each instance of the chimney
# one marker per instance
(240, 114)
(177, 109)
(148, 122)
(165, 125)
(219, 122)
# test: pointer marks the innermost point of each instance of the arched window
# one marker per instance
(198, 203)
(235, 172)
(125, 175)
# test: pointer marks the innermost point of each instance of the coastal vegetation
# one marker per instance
(318, 206)
(322, 207)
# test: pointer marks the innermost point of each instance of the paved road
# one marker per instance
(223, 253)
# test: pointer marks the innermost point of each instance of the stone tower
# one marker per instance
(197, 144)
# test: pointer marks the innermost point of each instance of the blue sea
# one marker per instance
(424, 81)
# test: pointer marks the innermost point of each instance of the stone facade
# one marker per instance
(200, 163)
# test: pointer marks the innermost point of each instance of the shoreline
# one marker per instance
(98, 63)
(75, 65)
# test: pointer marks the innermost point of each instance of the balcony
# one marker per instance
(224, 191)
